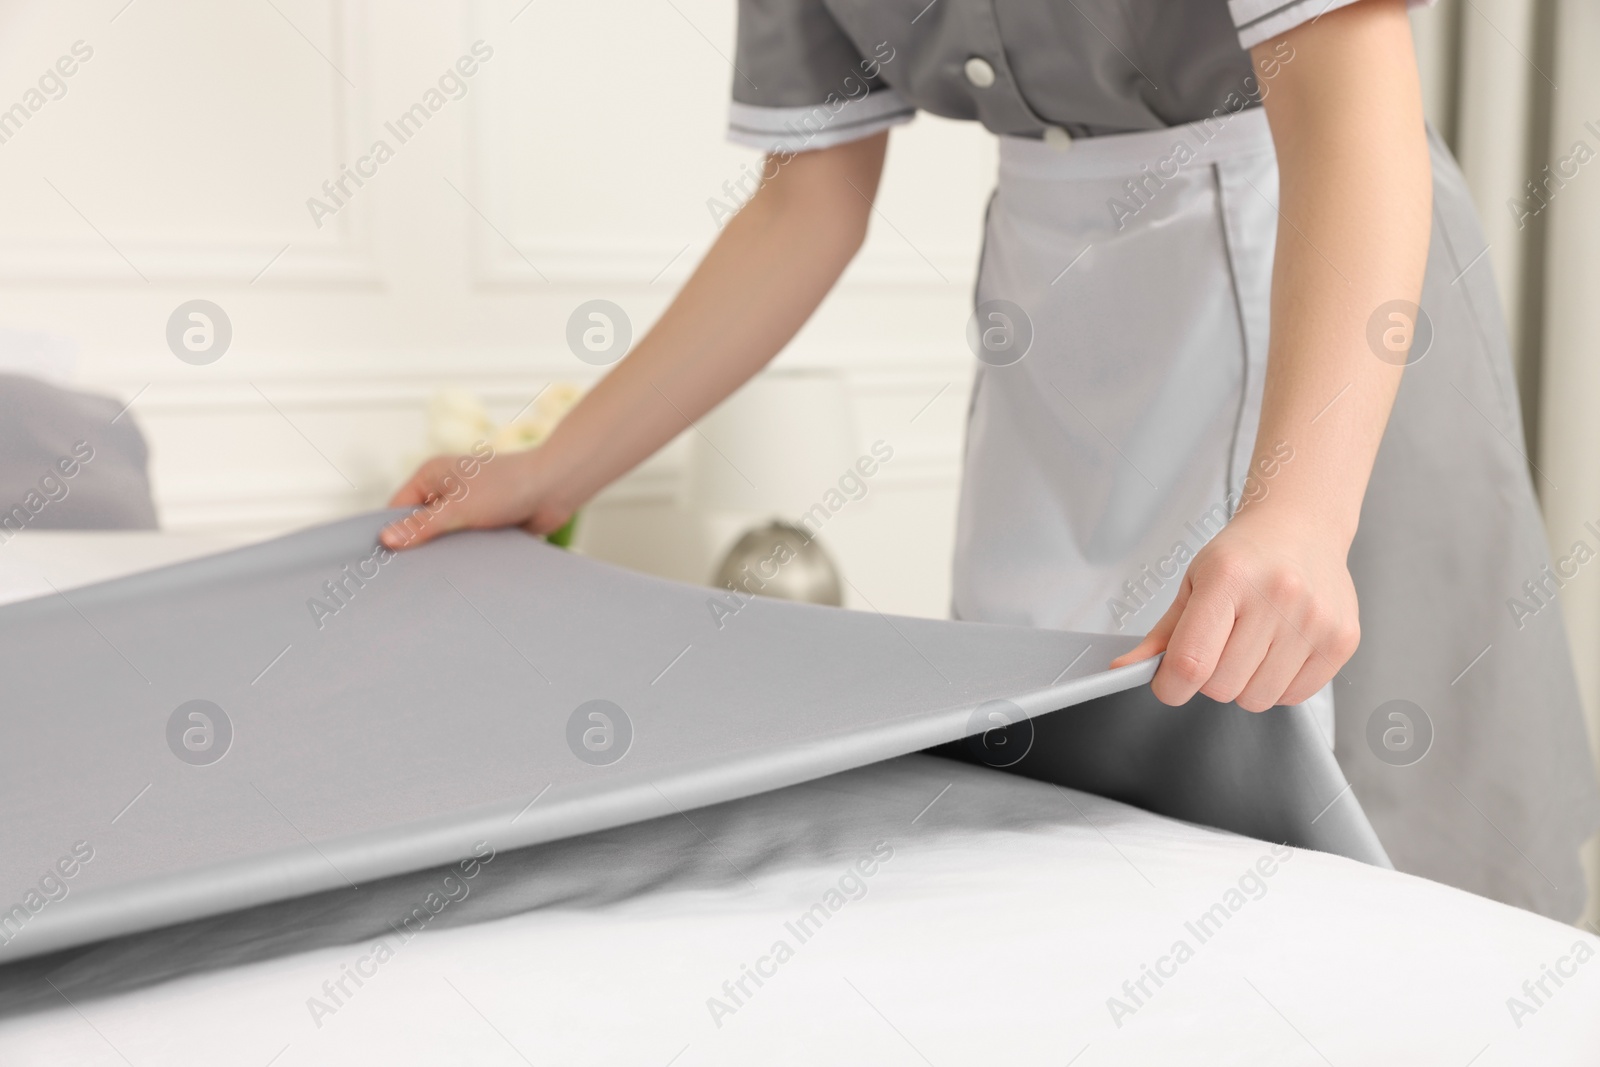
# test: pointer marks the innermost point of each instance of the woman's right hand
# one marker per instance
(482, 490)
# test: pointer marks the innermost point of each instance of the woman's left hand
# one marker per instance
(1267, 611)
(1266, 615)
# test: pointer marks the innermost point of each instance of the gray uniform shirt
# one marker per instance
(814, 73)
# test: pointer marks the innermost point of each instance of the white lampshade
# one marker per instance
(774, 447)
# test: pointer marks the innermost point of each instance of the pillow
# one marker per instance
(66, 465)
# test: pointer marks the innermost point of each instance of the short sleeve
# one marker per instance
(801, 83)
(1262, 20)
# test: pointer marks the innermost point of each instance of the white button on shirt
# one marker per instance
(979, 72)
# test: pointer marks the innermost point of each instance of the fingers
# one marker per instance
(1316, 672)
(1278, 649)
(412, 493)
(438, 517)
(1197, 642)
(1156, 640)
(1266, 688)
(1252, 641)
(1311, 643)
(409, 532)
(1266, 615)
(1333, 650)
(433, 492)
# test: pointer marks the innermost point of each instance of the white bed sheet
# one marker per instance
(1007, 916)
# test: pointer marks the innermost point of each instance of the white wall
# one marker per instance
(578, 165)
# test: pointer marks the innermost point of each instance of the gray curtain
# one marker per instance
(1514, 88)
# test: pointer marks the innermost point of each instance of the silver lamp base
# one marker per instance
(779, 559)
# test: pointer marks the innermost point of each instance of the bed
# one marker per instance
(919, 910)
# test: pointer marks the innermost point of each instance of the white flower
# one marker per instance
(457, 420)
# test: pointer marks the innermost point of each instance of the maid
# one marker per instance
(1243, 385)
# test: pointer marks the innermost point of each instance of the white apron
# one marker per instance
(1136, 272)
(1127, 427)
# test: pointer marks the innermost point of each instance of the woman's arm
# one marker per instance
(1267, 611)
(767, 272)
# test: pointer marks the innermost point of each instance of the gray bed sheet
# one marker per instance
(367, 716)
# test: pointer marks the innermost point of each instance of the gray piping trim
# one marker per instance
(801, 129)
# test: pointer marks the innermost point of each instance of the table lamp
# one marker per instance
(758, 470)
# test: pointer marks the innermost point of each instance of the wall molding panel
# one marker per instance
(341, 253)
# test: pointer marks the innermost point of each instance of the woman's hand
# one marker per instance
(1266, 615)
(486, 489)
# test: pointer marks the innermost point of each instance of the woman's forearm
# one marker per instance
(1267, 612)
(1354, 204)
(767, 272)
